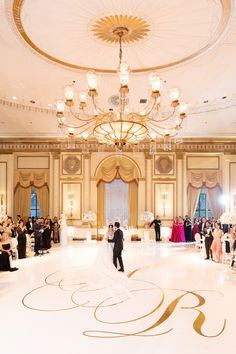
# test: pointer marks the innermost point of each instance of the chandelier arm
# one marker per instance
(76, 126)
(163, 119)
(160, 127)
(79, 118)
(98, 109)
(150, 110)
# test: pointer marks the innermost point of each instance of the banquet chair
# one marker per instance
(226, 253)
(199, 242)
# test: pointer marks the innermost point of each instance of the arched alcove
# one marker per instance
(109, 170)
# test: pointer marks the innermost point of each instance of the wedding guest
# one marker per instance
(207, 232)
(6, 253)
(55, 229)
(195, 229)
(157, 227)
(216, 244)
(38, 231)
(47, 236)
(21, 230)
(29, 226)
(174, 234)
(187, 229)
(202, 225)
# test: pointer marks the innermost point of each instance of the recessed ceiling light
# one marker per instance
(49, 105)
(14, 97)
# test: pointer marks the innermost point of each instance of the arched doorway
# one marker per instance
(117, 202)
(123, 169)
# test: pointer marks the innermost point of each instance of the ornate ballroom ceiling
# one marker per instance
(46, 44)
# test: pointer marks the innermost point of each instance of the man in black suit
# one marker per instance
(157, 227)
(208, 240)
(118, 246)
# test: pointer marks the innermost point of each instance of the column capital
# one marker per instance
(56, 155)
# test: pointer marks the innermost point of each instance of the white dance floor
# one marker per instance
(179, 303)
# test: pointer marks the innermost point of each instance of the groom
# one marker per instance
(118, 246)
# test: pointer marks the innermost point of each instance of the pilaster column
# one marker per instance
(54, 186)
(87, 187)
(148, 197)
(180, 193)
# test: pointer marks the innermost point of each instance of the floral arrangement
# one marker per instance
(89, 216)
(228, 218)
(147, 216)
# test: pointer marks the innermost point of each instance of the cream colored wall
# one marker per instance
(146, 198)
(8, 187)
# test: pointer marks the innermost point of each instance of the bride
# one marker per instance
(105, 274)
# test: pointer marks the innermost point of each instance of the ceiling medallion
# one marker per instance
(107, 28)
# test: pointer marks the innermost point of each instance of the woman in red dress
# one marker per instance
(195, 229)
(175, 232)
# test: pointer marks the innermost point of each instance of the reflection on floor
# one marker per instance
(177, 303)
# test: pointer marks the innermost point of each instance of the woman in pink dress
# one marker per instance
(216, 246)
(195, 229)
(175, 232)
(181, 230)
(178, 231)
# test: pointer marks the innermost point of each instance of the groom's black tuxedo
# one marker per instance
(118, 247)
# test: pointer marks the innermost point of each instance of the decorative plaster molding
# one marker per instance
(203, 146)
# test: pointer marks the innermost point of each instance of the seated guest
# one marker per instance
(21, 230)
(207, 232)
(6, 253)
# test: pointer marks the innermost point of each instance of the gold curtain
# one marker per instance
(210, 178)
(214, 195)
(100, 204)
(118, 168)
(22, 202)
(27, 179)
(193, 196)
(133, 203)
(43, 200)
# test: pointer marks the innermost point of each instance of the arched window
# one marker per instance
(203, 208)
(34, 206)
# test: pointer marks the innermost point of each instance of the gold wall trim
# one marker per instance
(52, 145)
(226, 15)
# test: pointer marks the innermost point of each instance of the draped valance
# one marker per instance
(37, 179)
(208, 178)
(114, 168)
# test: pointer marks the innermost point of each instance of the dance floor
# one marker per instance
(177, 303)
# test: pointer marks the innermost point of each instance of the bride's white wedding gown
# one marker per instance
(104, 273)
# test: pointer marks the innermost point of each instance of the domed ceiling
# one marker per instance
(46, 44)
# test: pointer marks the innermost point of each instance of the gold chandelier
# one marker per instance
(121, 127)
